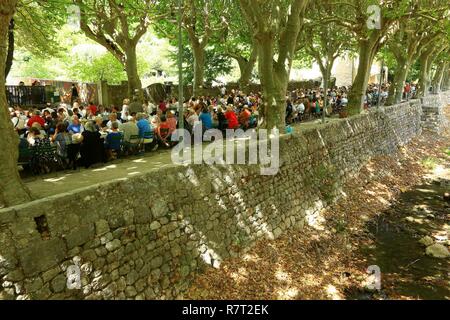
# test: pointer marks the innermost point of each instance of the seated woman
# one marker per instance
(33, 135)
(42, 155)
(92, 150)
(76, 126)
(244, 118)
(99, 124)
(163, 133)
(113, 142)
(206, 119)
(222, 120)
(171, 120)
(62, 139)
(191, 120)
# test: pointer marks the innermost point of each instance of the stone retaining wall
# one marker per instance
(145, 237)
(433, 117)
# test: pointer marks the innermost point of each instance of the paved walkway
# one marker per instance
(65, 181)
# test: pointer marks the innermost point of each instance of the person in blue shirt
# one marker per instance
(113, 142)
(145, 127)
(76, 126)
(206, 119)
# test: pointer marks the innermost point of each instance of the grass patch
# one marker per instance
(447, 151)
(429, 163)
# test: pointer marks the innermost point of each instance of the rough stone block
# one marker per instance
(42, 256)
(79, 236)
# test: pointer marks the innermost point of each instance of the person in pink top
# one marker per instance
(171, 121)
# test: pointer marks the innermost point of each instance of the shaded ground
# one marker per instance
(406, 271)
(386, 210)
(47, 185)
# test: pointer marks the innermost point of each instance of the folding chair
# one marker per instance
(134, 145)
(117, 141)
(147, 140)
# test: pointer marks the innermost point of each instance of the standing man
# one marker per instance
(135, 107)
(75, 94)
(22, 93)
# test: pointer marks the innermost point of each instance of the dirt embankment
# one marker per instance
(329, 260)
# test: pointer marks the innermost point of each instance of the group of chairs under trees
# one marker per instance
(45, 157)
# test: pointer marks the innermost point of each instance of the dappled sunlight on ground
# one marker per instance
(326, 262)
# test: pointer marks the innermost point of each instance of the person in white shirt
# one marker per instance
(76, 105)
(301, 108)
(124, 114)
(151, 108)
(19, 121)
(113, 118)
(192, 118)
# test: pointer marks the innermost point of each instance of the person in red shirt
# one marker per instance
(244, 118)
(163, 132)
(36, 118)
(171, 121)
(93, 108)
(233, 122)
(407, 90)
(162, 106)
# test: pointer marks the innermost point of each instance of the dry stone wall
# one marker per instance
(147, 236)
(433, 117)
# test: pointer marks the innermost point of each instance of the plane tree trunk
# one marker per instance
(12, 189)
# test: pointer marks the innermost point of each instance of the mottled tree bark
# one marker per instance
(274, 73)
(356, 95)
(12, 190)
(246, 67)
(198, 51)
(396, 89)
(131, 68)
(439, 76)
(10, 54)
(274, 82)
(424, 75)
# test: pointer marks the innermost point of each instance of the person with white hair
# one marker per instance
(76, 126)
(130, 128)
(192, 117)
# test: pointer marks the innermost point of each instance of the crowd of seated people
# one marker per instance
(77, 134)
(69, 136)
